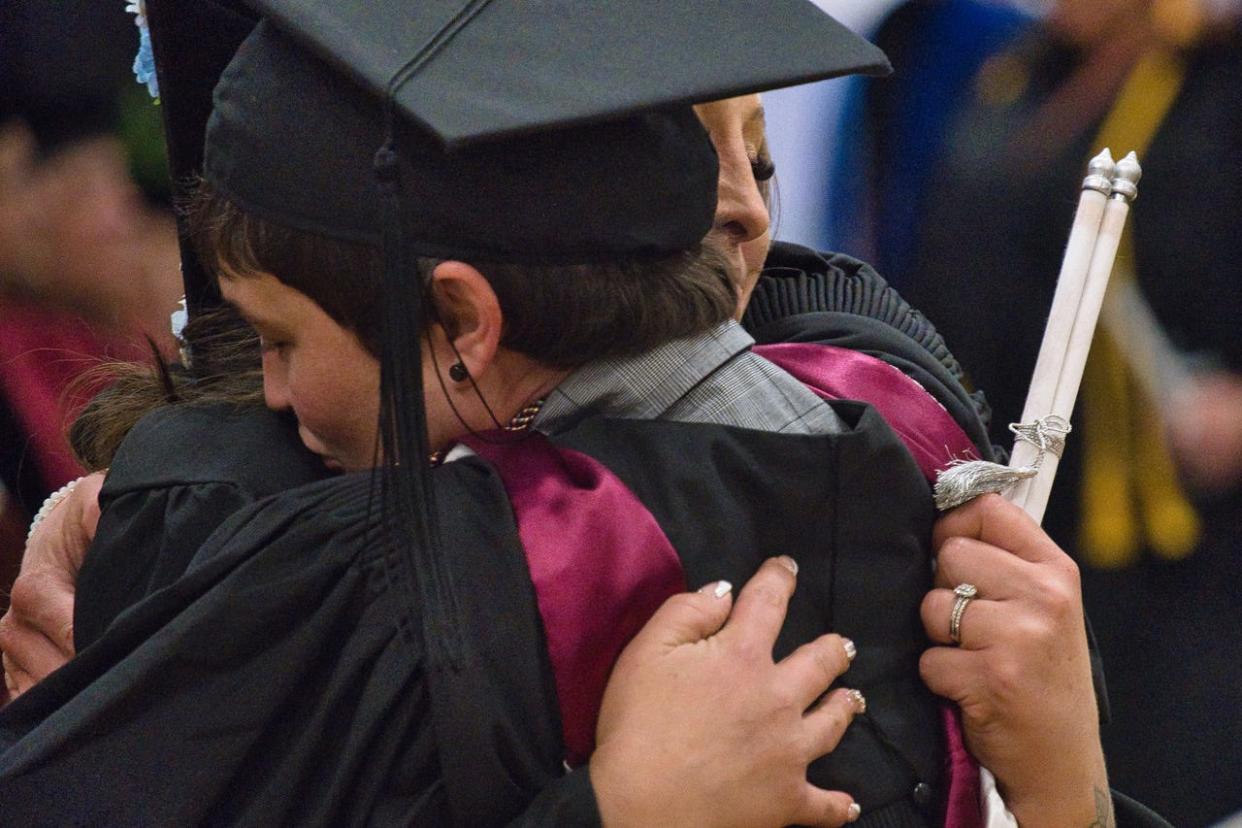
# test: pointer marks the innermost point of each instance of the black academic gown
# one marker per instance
(180, 472)
(198, 694)
(194, 708)
(283, 679)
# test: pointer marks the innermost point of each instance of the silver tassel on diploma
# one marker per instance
(1094, 238)
(964, 480)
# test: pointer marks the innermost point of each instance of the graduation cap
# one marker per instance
(470, 73)
(540, 131)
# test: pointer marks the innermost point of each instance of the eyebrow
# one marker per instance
(249, 318)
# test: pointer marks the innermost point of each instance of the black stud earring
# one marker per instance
(458, 372)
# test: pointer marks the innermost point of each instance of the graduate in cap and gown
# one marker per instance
(433, 694)
(378, 620)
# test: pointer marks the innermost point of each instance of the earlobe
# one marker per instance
(470, 313)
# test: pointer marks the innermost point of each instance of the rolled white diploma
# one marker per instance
(1032, 494)
(1096, 188)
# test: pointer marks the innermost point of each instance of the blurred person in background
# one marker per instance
(88, 267)
(978, 153)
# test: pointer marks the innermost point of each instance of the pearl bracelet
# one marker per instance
(53, 500)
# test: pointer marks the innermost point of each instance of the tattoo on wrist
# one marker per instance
(1103, 810)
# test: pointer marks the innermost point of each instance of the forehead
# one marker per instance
(742, 109)
(265, 300)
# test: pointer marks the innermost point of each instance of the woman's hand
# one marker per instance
(700, 727)
(1022, 675)
(36, 634)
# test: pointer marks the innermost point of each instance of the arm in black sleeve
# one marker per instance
(1131, 814)
(179, 473)
(568, 802)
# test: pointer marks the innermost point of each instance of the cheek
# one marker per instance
(306, 400)
(317, 397)
(755, 253)
(341, 406)
(274, 381)
(336, 421)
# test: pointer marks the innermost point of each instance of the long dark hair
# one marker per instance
(226, 368)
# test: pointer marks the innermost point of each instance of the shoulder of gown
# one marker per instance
(829, 298)
(176, 476)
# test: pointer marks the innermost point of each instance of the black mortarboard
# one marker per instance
(476, 71)
(472, 72)
(543, 131)
(293, 140)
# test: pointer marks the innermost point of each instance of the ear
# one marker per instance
(469, 312)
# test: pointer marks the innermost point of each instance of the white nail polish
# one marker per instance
(722, 589)
(850, 650)
(789, 563)
(859, 700)
(854, 812)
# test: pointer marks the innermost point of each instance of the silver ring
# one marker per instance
(965, 594)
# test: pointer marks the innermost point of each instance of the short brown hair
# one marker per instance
(560, 315)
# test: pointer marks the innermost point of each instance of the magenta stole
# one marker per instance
(568, 505)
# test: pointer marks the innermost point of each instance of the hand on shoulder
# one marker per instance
(36, 634)
(700, 727)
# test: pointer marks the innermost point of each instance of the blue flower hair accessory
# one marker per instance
(178, 321)
(144, 61)
(179, 318)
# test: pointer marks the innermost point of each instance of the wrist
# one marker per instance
(1093, 811)
(613, 798)
(634, 792)
(1059, 801)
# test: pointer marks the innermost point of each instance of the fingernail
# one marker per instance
(850, 650)
(853, 812)
(789, 563)
(859, 700)
(722, 589)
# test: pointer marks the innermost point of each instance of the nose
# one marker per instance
(741, 213)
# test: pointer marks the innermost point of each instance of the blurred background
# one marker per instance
(88, 255)
(958, 177)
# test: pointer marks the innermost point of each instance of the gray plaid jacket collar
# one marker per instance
(711, 377)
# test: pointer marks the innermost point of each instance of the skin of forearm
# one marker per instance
(1086, 802)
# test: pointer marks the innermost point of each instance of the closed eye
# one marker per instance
(272, 345)
(762, 168)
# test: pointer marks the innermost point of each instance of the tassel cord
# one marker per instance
(964, 481)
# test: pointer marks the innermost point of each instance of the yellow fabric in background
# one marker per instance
(1131, 495)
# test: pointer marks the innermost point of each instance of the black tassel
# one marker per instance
(407, 494)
